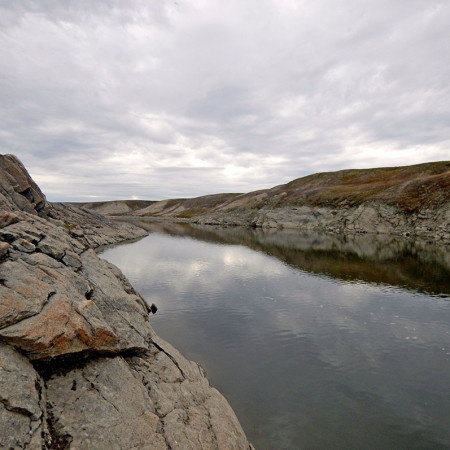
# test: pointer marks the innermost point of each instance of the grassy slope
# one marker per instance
(410, 188)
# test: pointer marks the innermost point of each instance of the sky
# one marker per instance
(120, 99)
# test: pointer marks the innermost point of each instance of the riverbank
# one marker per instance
(409, 201)
(80, 365)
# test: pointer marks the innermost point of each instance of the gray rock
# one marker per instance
(80, 321)
(7, 218)
(22, 420)
(23, 245)
(373, 217)
(71, 259)
(17, 187)
(44, 311)
(182, 395)
(103, 406)
(124, 311)
(4, 246)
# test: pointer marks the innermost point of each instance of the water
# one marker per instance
(317, 342)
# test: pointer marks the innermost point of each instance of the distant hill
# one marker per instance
(180, 208)
(115, 207)
(406, 200)
(409, 188)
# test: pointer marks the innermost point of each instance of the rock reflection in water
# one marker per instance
(318, 345)
(410, 263)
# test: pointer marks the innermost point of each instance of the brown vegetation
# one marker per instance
(409, 188)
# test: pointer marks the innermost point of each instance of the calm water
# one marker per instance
(317, 342)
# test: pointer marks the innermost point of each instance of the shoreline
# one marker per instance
(80, 364)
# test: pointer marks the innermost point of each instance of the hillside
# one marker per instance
(410, 188)
(410, 200)
(183, 208)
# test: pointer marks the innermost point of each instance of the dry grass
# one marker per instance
(410, 188)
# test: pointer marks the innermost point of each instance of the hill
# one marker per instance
(406, 200)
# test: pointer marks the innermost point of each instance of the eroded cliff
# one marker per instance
(80, 365)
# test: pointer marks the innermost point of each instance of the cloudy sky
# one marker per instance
(160, 99)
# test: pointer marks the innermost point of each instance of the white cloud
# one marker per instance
(159, 99)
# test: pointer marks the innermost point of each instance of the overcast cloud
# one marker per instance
(161, 99)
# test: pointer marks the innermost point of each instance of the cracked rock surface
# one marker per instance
(80, 365)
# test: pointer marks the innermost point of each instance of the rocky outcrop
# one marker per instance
(80, 365)
(373, 217)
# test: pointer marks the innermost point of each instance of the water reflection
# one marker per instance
(410, 263)
(334, 355)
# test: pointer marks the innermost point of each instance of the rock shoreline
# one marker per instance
(374, 217)
(80, 365)
(410, 201)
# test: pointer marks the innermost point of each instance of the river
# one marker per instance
(317, 341)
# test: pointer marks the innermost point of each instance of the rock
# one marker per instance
(124, 311)
(22, 420)
(86, 330)
(7, 218)
(18, 188)
(72, 260)
(22, 293)
(181, 394)
(4, 246)
(24, 246)
(103, 406)
(372, 217)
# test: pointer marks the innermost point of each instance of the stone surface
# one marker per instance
(17, 188)
(4, 246)
(375, 218)
(181, 395)
(22, 420)
(103, 406)
(75, 340)
(123, 311)
(44, 311)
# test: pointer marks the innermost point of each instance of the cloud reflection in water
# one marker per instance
(306, 359)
